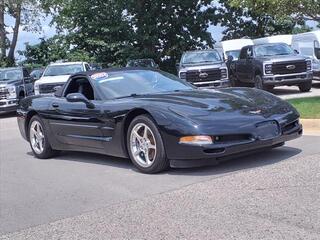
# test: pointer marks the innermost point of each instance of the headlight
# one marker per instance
(36, 89)
(196, 140)
(268, 69)
(224, 73)
(12, 92)
(182, 75)
(309, 65)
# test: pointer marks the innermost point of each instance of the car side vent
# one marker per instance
(291, 127)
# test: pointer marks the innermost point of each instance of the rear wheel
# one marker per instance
(305, 87)
(145, 145)
(38, 139)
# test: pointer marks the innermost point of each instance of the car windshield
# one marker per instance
(56, 70)
(141, 63)
(10, 74)
(272, 50)
(201, 57)
(235, 54)
(137, 82)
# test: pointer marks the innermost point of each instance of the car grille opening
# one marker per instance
(204, 75)
(48, 88)
(224, 139)
(4, 92)
(214, 150)
(287, 129)
(289, 67)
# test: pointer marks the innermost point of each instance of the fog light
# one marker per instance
(197, 140)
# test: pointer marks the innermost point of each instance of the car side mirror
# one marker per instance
(230, 58)
(78, 97)
(296, 51)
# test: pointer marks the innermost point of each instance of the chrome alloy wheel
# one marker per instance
(37, 137)
(143, 145)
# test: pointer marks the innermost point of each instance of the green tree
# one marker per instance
(26, 16)
(116, 30)
(253, 21)
(303, 9)
(53, 49)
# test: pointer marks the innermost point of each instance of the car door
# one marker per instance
(27, 82)
(248, 72)
(75, 124)
(241, 64)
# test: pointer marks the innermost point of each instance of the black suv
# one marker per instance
(270, 65)
(15, 84)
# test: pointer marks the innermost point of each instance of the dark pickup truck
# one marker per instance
(268, 65)
(15, 84)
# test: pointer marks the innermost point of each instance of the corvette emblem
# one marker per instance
(203, 75)
(291, 67)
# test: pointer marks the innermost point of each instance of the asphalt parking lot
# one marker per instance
(293, 92)
(270, 195)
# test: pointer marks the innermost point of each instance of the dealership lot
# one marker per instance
(293, 92)
(89, 196)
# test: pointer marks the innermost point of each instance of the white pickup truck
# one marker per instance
(57, 74)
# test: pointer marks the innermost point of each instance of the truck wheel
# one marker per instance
(258, 82)
(305, 87)
(234, 81)
(21, 96)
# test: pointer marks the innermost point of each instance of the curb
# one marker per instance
(311, 126)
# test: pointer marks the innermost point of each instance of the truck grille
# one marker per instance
(48, 88)
(204, 75)
(4, 92)
(289, 67)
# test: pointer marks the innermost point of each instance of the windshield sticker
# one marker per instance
(99, 76)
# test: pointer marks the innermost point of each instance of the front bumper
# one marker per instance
(8, 105)
(287, 79)
(316, 75)
(213, 84)
(198, 156)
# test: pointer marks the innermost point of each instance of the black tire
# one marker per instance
(258, 82)
(234, 81)
(47, 152)
(305, 87)
(160, 162)
(21, 96)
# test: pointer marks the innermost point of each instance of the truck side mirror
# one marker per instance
(230, 58)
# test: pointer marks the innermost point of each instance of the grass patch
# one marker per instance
(307, 107)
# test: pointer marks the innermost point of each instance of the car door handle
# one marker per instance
(55, 105)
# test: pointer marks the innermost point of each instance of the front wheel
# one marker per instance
(145, 145)
(38, 139)
(305, 87)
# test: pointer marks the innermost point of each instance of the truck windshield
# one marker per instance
(57, 70)
(141, 63)
(235, 54)
(272, 50)
(10, 74)
(201, 57)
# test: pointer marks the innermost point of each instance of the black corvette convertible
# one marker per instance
(155, 119)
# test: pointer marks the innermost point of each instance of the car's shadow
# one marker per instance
(241, 163)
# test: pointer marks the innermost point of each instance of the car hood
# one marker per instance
(189, 67)
(283, 58)
(9, 82)
(53, 79)
(203, 106)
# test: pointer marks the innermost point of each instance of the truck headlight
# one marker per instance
(183, 75)
(36, 89)
(224, 73)
(309, 65)
(268, 69)
(12, 92)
